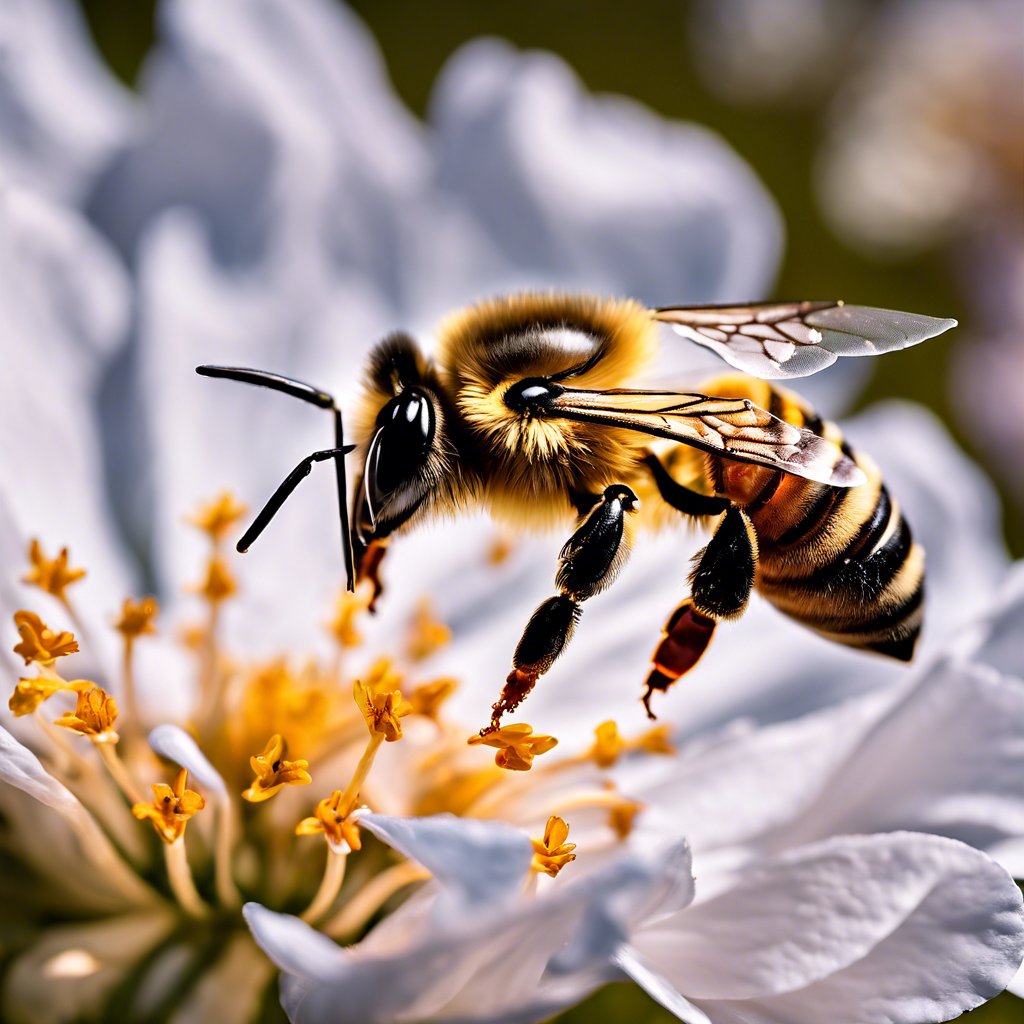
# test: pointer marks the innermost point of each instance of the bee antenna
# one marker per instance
(322, 400)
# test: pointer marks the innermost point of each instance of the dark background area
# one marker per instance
(641, 49)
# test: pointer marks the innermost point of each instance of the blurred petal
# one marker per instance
(259, 116)
(65, 835)
(895, 916)
(61, 111)
(598, 192)
(63, 309)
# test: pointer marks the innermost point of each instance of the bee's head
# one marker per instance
(401, 424)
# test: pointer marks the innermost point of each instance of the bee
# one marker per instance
(528, 409)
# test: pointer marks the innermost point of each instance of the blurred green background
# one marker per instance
(640, 49)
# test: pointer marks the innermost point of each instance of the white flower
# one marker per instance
(277, 206)
(811, 899)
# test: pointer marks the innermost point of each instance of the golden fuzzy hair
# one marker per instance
(534, 465)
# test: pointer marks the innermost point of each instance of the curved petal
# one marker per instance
(478, 966)
(267, 119)
(478, 862)
(899, 928)
(61, 111)
(833, 771)
(174, 744)
(60, 841)
(995, 639)
(64, 306)
(597, 192)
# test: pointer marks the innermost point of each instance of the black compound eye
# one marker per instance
(399, 450)
(532, 394)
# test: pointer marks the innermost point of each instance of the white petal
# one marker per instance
(61, 111)
(477, 967)
(899, 928)
(633, 965)
(241, 438)
(869, 765)
(63, 309)
(598, 190)
(174, 744)
(996, 638)
(277, 125)
(293, 945)
(110, 881)
(480, 862)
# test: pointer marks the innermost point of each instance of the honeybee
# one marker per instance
(527, 409)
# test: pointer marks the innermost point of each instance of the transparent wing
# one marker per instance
(732, 428)
(795, 339)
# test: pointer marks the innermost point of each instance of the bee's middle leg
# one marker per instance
(720, 586)
(588, 563)
(720, 583)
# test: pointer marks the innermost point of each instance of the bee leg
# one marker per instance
(588, 563)
(681, 498)
(368, 568)
(720, 583)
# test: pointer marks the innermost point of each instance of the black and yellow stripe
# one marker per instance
(839, 560)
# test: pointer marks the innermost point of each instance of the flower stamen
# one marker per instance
(136, 620)
(516, 745)
(39, 643)
(51, 575)
(273, 772)
(552, 853)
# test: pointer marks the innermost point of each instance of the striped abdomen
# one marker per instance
(840, 560)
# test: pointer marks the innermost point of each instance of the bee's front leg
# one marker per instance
(720, 589)
(588, 563)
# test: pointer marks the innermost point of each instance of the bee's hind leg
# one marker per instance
(720, 586)
(588, 563)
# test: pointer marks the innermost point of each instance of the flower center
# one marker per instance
(263, 731)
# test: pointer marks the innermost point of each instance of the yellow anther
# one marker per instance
(622, 813)
(552, 853)
(50, 574)
(516, 745)
(426, 635)
(217, 517)
(608, 744)
(654, 741)
(171, 809)
(273, 772)
(382, 709)
(137, 617)
(30, 693)
(347, 609)
(218, 584)
(334, 821)
(39, 643)
(94, 716)
(427, 698)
